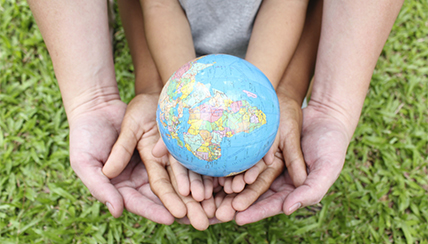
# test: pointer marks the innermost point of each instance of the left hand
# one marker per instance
(324, 144)
(285, 150)
(139, 131)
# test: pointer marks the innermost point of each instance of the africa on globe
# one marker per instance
(218, 115)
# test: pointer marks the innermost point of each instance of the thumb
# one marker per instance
(292, 153)
(121, 152)
(270, 155)
(99, 186)
(160, 149)
(314, 188)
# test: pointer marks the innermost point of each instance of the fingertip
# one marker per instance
(238, 183)
(250, 177)
(115, 212)
(289, 210)
(221, 181)
(160, 149)
(269, 158)
(297, 172)
(108, 171)
(209, 207)
(179, 210)
(225, 212)
(228, 186)
(197, 216)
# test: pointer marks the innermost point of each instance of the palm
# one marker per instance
(92, 135)
(324, 146)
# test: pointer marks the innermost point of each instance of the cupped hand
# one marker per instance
(93, 132)
(188, 182)
(285, 151)
(139, 131)
(324, 144)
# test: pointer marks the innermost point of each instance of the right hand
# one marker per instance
(93, 131)
(139, 130)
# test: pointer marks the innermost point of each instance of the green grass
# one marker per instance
(381, 195)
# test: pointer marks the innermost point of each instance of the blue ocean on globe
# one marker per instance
(218, 115)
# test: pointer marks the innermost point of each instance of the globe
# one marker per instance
(218, 115)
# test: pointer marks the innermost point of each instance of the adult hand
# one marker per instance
(93, 132)
(324, 144)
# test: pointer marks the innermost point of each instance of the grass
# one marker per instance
(380, 196)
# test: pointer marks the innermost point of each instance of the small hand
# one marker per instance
(139, 131)
(92, 135)
(285, 150)
(200, 186)
(324, 144)
(228, 204)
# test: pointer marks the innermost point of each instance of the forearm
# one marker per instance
(353, 34)
(168, 35)
(275, 35)
(77, 37)
(147, 79)
(299, 72)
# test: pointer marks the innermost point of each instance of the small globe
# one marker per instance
(218, 115)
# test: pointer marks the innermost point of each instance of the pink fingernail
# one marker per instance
(110, 207)
(294, 207)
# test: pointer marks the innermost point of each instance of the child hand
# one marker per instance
(201, 186)
(139, 131)
(199, 214)
(236, 183)
(286, 149)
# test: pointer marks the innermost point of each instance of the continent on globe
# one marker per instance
(219, 117)
(211, 108)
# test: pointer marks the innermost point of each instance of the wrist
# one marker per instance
(291, 93)
(93, 99)
(347, 117)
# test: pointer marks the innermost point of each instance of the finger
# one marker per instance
(270, 155)
(182, 176)
(221, 180)
(219, 197)
(195, 212)
(252, 192)
(269, 203)
(121, 152)
(196, 186)
(228, 185)
(292, 152)
(254, 172)
(269, 206)
(99, 185)
(160, 149)
(238, 183)
(161, 186)
(225, 211)
(209, 207)
(208, 186)
(313, 189)
(138, 204)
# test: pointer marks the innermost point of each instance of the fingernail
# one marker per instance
(294, 207)
(110, 207)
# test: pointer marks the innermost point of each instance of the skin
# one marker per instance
(352, 37)
(169, 17)
(85, 74)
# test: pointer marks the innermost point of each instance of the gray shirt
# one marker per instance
(221, 26)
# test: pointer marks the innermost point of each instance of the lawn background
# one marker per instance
(380, 196)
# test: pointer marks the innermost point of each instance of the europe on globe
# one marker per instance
(218, 115)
